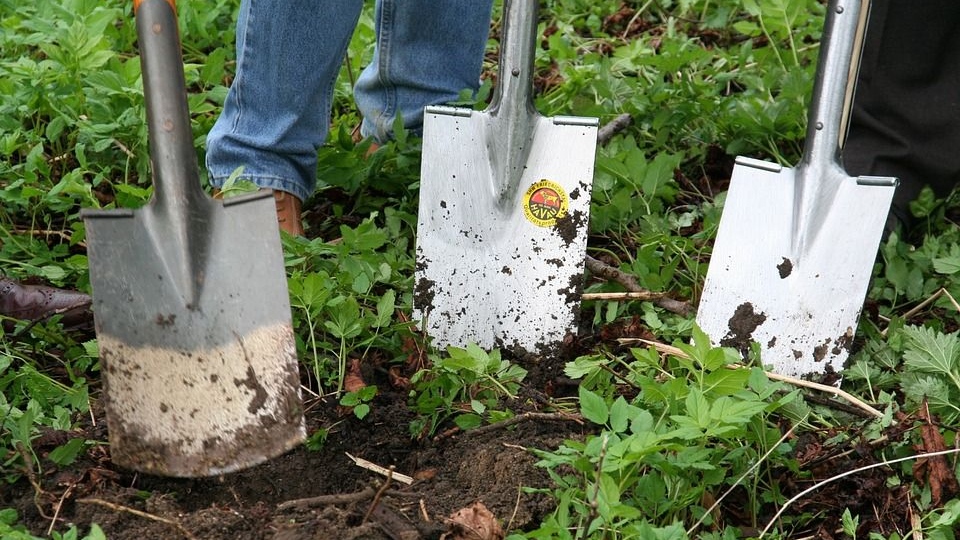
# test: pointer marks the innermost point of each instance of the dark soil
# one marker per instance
(306, 494)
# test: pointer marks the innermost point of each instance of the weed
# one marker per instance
(694, 425)
(467, 385)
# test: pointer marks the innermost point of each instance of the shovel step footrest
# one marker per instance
(880, 181)
(575, 121)
(449, 111)
(759, 164)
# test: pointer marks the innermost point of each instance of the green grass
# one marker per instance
(703, 80)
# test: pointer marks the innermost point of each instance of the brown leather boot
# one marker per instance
(288, 212)
(35, 302)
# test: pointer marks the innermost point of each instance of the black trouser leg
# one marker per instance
(906, 115)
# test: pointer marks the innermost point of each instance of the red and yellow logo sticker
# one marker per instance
(544, 203)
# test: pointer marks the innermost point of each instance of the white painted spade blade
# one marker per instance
(502, 269)
(794, 282)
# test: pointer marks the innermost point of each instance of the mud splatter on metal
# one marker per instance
(785, 268)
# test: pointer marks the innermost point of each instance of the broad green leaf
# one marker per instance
(385, 308)
(621, 413)
(949, 264)
(931, 351)
(593, 407)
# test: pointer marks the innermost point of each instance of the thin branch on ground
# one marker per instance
(818, 485)
(328, 500)
(377, 496)
(340, 498)
(611, 128)
(629, 282)
(38, 491)
(139, 513)
(567, 417)
(373, 467)
(614, 296)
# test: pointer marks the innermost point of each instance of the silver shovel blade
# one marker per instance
(196, 344)
(789, 271)
(502, 268)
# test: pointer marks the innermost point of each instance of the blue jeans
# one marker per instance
(277, 113)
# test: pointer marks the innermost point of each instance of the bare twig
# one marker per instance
(327, 500)
(522, 418)
(423, 512)
(516, 506)
(139, 513)
(613, 127)
(818, 485)
(918, 308)
(124, 149)
(593, 503)
(603, 270)
(38, 491)
(389, 473)
(669, 349)
(614, 296)
(378, 495)
(56, 510)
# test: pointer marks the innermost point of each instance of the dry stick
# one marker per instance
(371, 466)
(522, 418)
(327, 500)
(668, 349)
(840, 476)
(139, 513)
(630, 283)
(31, 475)
(613, 127)
(56, 511)
(516, 506)
(593, 504)
(613, 296)
(919, 307)
(378, 496)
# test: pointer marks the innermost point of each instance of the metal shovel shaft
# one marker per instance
(512, 115)
(178, 199)
(833, 91)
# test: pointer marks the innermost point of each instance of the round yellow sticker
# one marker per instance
(544, 203)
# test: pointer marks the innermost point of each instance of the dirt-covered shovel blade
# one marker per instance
(504, 206)
(795, 247)
(190, 302)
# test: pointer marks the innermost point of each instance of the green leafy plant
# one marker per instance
(467, 385)
(695, 426)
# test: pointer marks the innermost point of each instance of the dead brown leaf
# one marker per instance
(474, 522)
(935, 470)
(353, 381)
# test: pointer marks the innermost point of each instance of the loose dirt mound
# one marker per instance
(309, 494)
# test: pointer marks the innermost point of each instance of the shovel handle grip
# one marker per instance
(835, 80)
(176, 174)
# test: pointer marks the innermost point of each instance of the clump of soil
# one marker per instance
(742, 325)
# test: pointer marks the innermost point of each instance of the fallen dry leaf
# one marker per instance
(474, 522)
(935, 470)
(353, 381)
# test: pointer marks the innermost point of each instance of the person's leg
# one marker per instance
(906, 115)
(277, 113)
(427, 52)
